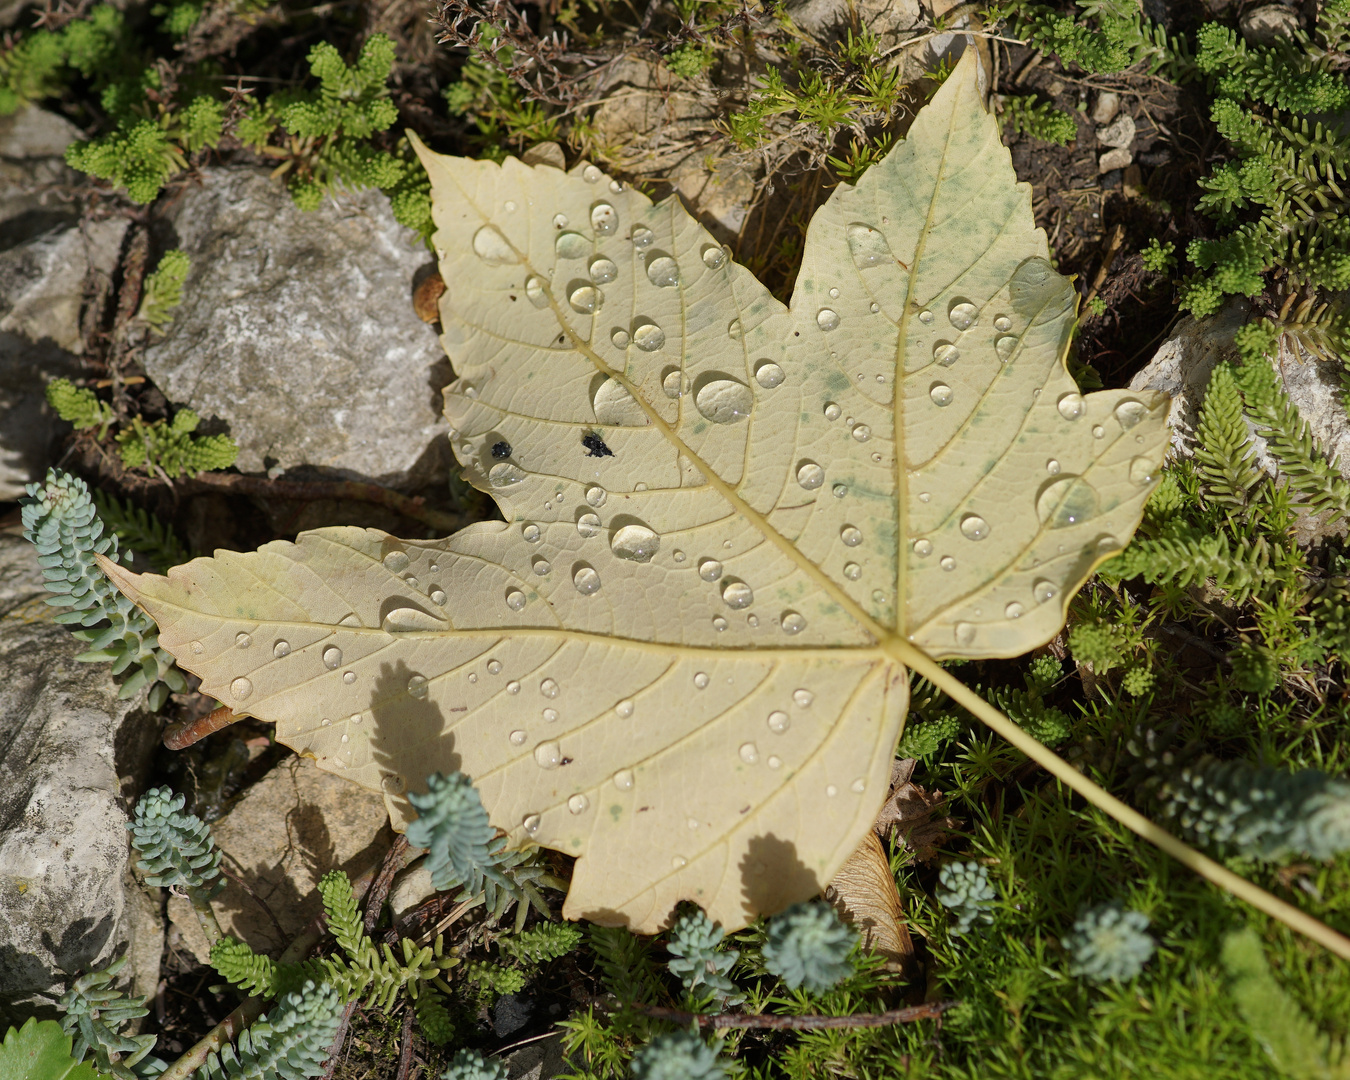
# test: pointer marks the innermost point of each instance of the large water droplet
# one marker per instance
(591, 174)
(241, 688)
(861, 432)
(530, 532)
(974, 527)
(332, 657)
(636, 543)
(792, 622)
(492, 247)
(396, 561)
(827, 318)
(586, 299)
(701, 680)
(709, 569)
(1002, 323)
(417, 686)
(531, 823)
(577, 804)
(437, 597)
(769, 374)
(941, 394)
(548, 754)
(833, 411)
(1141, 471)
(1043, 590)
(515, 599)
(1005, 347)
(571, 245)
(1071, 405)
(923, 547)
(494, 667)
(713, 257)
(724, 401)
(962, 314)
(1067, 501)
(588, 525)
(737, 594)
(1130, 412)
(946, 354)
(867, 246)
(518, 737)
(586, 579)
(671, 384)
(535, 290)
(851, 535)
(604, 219)
(749, 753)
(596, 496)
(242, 640)
(603, 270)
(663, 272)
(965, 633)
(642, 236)
(719, 623)
(649, 337)
(615, 406)
(623, 779)
(779, 722)
(505, 475)
(926, 317)
(619, 338)
(403, 620)
(281, 648)
(810, 475)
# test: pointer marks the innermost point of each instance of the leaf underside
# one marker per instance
(681, 656)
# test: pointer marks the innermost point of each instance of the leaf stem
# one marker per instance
(1129, 817)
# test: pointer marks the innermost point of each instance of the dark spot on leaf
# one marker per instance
(595, 446)
(501, 450)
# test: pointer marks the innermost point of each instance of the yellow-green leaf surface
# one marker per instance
(681, 657)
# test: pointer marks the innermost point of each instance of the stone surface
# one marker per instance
(410, 888)
(1106, 106)
(33, 174)
(890, 20)
(298, 330)
(1119, 133)
(72, 759)
(1266, 25)
(281, 837)
(42, 289)
(1114, 159)
(542, 1060)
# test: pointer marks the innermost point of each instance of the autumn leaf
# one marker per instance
(730, 526)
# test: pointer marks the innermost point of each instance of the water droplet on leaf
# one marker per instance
(636, 543)
(571, 245)
(724, 401)
(737, 594)
(1067, 501)
(663, 272)
(492, 247)
(974, 527)
(827, 318)
(586, 580)
(941, 394)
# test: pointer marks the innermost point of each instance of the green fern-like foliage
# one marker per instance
(141, 531)
(678, 1056)
(172, 449)
(927, 737)
(176, 848)
(471, 1065)
(1283, 75)
(59, 520)
(40, 63)
(699, 961)
(808, 946)
(94, 1013)
(965, 888)
(1109, 36)
(1109, 943)
(1223, 449)
(1039, 119)
(626, 966)
(289, 1043)
(541, 943)
(80, 406)
(163, 290)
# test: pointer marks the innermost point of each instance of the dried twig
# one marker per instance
(394, 861)
(929, 1010)
(181, 736)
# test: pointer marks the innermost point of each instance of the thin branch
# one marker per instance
(929, 1010)
(181, 736)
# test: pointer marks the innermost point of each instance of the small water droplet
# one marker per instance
(325, 722)
(623, 779)
(518, 737)
(241, 688)
(596, 496)
(577, 804)
(591, 174)
(719, 624)
(852, 571)
(242, 641)
(792, 622)
(1042, 591)
(1002, 323)
(197, 648)
(1098, 431)
(1071, 405)
(803, 697)
(827, 318)
(923, 547)
(1130, 412)
(281, 648)
(1014, 610)
(492, 247)
(679, 862)
(588, 525)
(531, 823)
(535, 290)
(636, 543)
(965, 633)
(713, 256)
(831, 791)
(437, 597)
(941, 394)
(851, 535)
(737, 595)
(603, 270)
(724, 401)
(624, 708)
(1052, 467)
(678, 556)
(974, 527)
(560, 221)
(858, 786)
(473, 676)
(494, 667)
(1005, 346)
(839, 490)
(345, 738)
(810, 475)
(833, 411)
(550, 715)
(548, 754)
(779, 721)
(769, 375)
(396, 561)
(642, 236)
(752, 620)
(709, 569)
(513, 687)
(505, 475)
(515, 599)
(672, 384)
(874, 307)
(1107, 543)
(749, 753)
(861, 432)
(542, 566)
(774, 762)
(571, 245)
(417, 686)
(586, 300)
(1141, 471)
(878, 595)
(530, 532)
(946, 354)
(701, 680)
(604, 219)
(663, 272)
(924, 496)
(349, 677)
(332, 657)
(734, 330)
(962, 314)
(925, 317)
(549, 688)
(1066, 502)
(947, 562)
(586, 580)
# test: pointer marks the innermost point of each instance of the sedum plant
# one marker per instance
(289, 1043)
(699, 961)
(964, 887)
(178, 852)
(94, 1013)
(60, 521)
(1109, 943)
(809, 946)
(471, 1065)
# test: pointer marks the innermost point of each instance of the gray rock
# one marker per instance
(1119, 158)
(298, 330)
(42, 290)
(72, 757)
(890, 21)
(33, 174)
(1266, 25)
(1119, 133)
(542, 1060)
(287, 831)
(1106, 106)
